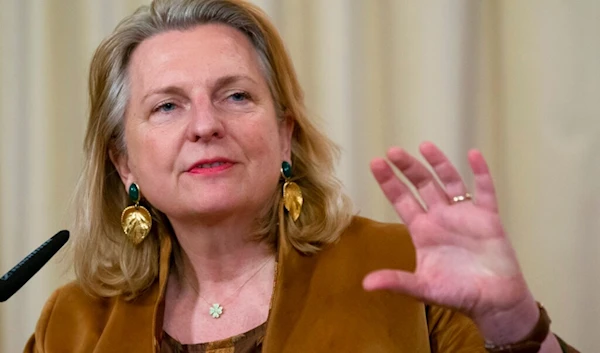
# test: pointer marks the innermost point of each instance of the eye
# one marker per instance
(165, 107)
(239, 96)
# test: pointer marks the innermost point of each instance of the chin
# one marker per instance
(225, 208)
(215, 203)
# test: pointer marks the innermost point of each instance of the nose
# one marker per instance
(205, 124)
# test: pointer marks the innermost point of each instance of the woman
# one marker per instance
(211, 221)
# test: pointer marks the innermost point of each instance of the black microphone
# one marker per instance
(14, 279)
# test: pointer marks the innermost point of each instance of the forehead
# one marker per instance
(202, 54)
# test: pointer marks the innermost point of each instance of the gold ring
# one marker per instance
(461, 198)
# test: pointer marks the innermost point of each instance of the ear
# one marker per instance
(121, 163)
(286, 129)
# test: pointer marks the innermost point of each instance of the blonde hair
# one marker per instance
(106, 263)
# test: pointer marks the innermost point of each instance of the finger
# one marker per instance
(429, 189)
(396, 281)
(485, 193)
(399, 195)
(444, 169)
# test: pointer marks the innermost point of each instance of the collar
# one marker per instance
(293, 272)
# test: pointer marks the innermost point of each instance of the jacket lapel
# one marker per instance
(289, 297)
(319, 304)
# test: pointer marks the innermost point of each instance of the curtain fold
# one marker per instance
(519, 80)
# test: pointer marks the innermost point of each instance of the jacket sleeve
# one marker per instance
(565, 347)
(451, 331)
(35, 344)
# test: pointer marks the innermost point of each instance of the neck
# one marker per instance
(223, 272)
(220, 253)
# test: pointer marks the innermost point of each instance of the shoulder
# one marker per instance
(68, 307)
(67, 310)
(374, 244)
(74, 295)
(75, 320)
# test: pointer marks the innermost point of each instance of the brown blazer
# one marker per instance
(318, 306)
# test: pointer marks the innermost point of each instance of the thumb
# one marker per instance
(396, 281)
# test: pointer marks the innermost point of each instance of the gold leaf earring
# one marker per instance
(292, 195)
(136, 220)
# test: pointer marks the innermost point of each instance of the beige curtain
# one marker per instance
(518, 79)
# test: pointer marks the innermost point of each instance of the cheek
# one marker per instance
(266, 139)
(263, 150)
(268, 152)
(149, 152)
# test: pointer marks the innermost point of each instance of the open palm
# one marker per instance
(464, 259)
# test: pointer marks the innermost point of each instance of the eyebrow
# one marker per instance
(231, 79)
(164, 90)
(219, 83)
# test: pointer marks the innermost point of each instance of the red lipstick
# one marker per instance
(210, 166)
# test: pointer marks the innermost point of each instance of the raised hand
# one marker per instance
(464, 258)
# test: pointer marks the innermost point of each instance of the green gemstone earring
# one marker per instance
(292, 195)
(136, 220)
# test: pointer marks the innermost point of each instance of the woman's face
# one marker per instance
(202, 135)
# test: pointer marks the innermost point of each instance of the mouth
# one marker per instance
(208, 166)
